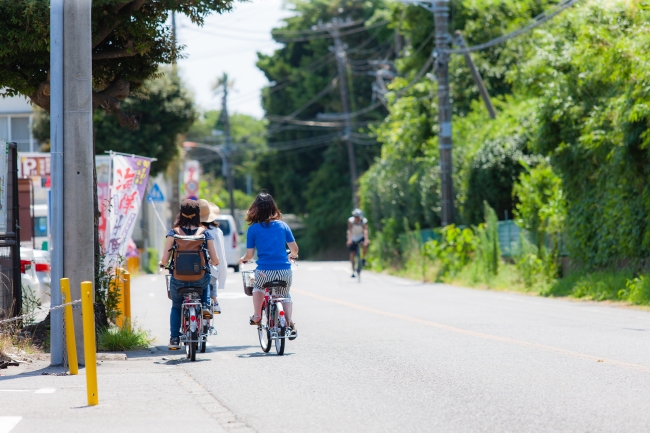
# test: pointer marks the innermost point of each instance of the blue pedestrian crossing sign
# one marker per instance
(155, 194)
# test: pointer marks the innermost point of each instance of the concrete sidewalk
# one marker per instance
(150, 391)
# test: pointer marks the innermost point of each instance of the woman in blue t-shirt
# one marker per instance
(270, 235)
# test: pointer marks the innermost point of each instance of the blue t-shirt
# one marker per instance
(270, 240)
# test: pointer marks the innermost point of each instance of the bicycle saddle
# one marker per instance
(188, 290)
(276, 283)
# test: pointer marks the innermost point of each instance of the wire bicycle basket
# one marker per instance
(248, 278)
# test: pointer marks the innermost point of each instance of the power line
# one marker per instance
(537, 21)
(328, 36)
(307, 104)
(284, 83)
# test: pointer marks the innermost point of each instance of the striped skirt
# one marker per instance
(263, 277)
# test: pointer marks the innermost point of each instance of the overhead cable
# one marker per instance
(537, 21)
(328, 36)
(307, 104)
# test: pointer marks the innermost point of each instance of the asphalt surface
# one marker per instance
(385, 354)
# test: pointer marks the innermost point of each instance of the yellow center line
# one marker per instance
(481, 335)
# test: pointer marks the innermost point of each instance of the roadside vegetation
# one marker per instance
(566, 158)
(128, 337)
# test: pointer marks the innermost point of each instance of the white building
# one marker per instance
(16, 120)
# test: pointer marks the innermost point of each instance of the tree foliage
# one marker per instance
(312, 178)
(404, 181)
(129, 40)
(588, 71)
(164, 111)
(248, 136)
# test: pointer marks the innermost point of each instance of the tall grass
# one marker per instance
(128, 337)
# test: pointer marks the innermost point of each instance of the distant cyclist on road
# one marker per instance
(357, 235)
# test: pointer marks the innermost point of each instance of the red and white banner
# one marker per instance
(103, 165)
(130, 175)
(191, 175)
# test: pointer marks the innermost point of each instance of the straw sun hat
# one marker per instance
(209, 211)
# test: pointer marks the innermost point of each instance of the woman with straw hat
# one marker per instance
(209, 213)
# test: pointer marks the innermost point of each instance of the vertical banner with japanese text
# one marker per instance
(130, 175)
(103, 165)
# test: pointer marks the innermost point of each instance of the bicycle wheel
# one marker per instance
(263, 330)
(359, 263)
(203, 346)
(279, 343)
(192, 347)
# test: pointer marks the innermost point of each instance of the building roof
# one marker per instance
(15, 105)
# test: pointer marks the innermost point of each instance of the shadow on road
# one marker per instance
(260, 354)
(227, 348)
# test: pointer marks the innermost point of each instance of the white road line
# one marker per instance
(45, 391)
(7, 423)
(152, 295)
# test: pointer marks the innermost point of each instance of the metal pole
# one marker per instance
(477, 76)
(443, 39)
(56, 152)
(78, 207)
(228, 150)
(341, 59)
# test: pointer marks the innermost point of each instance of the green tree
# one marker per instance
(303, 167)
(248, 136)
(587, 71)
(129, 40)
(165, 110)
(404, 181)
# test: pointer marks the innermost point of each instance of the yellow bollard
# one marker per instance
(119, 286)
(69, 328)
(126, 292)
(88, 315)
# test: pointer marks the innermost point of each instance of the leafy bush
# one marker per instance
(597, 286)
(488, 251)
(528, 263)
(637, 291)
(454, 250)
(106, 292)
(384, 249)
(31, 304)
(492, 174)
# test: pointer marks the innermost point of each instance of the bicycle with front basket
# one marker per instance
(273, 325)
(195, 328)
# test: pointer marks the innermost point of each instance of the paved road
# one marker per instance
(389, 354)
(386, 354)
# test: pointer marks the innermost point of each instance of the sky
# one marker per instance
(229, 43)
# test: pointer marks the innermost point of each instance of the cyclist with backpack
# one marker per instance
(270, 236)
(191, 250)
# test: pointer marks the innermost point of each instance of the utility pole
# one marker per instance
(176, 165)
(341, 60)
(56, 140)
(476, 75)
(71, 131)
(441, 54)
(228, 151)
